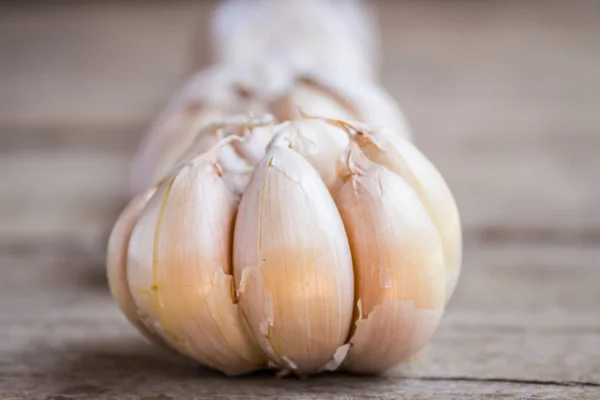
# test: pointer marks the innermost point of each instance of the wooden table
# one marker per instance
(505, 99)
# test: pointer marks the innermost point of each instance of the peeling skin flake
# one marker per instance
(338, 358)
(401, 331)
(290, 364)
(251, 282)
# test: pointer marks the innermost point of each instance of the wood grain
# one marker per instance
(58, 325)
(502, 98)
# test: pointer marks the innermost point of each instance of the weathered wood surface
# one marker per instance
(504, 97)
(63, 335)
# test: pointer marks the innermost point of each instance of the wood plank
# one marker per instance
(61, 199)
(517, 145)
(107, 374)
(92, 62)
(504, 97)
(521, 314)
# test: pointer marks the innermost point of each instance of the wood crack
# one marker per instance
(533, 235)
(568, 383)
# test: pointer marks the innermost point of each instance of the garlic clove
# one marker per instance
(116, 264)
(398, 265)
(180, 270)
(292, 264)
(403, 158)
(319, 142)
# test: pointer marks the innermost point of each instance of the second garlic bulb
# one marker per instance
(337, 37)
(271, 87)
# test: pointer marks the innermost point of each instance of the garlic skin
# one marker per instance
(116, 264)
(338, 37)
(398, 265)
(319, 142)
(179, 269)
(292, 265)
(383, 147)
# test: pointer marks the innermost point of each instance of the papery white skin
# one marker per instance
(398, 265)
(384, 147)
(338, 37)
(179, 270)
(116, 263)
(319, 142)
(292, 264)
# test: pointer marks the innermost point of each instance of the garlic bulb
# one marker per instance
(398, 265)
(311, 245)
(292, 264)
(338, 37)
(179, 269)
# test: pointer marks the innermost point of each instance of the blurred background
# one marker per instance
(503, 96)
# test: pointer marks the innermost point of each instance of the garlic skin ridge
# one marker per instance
(179, 270)
(292, 265)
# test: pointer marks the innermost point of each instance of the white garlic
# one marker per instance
(398, 265)
(179, 269)
(292, 264)
(338, 37)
